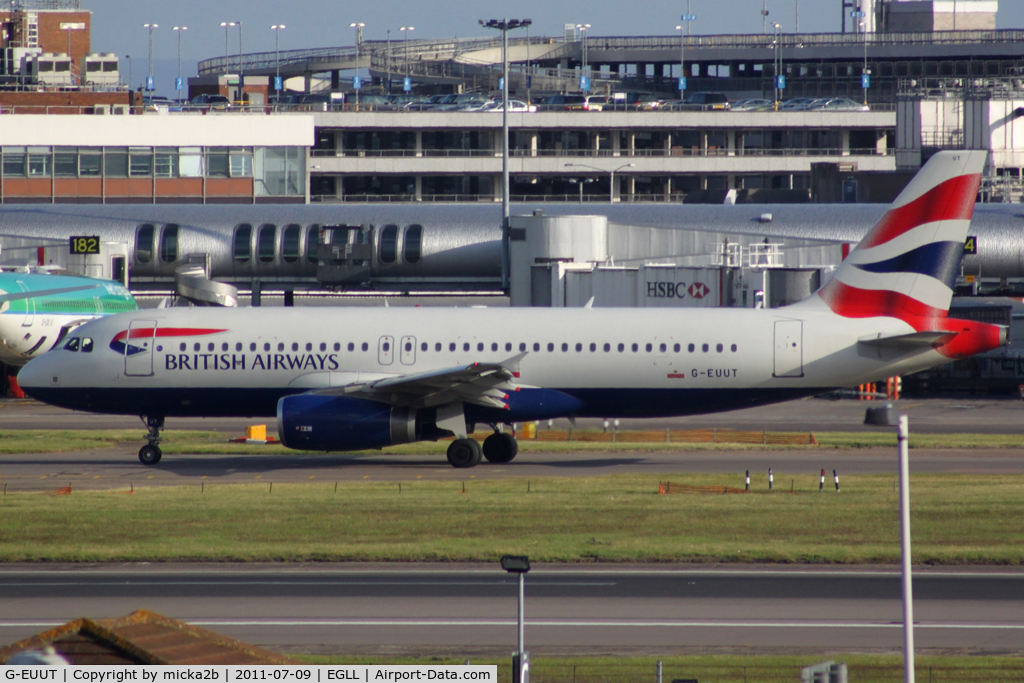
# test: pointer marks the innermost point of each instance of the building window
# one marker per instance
(190, 162)
(389, 243)
(217, 162)
(169, 244)
(243, 243)
(14, 162)
(115, 162)
(144, 243)
(140, 162)
(166, 162)
(90, 164)
(241, 164)
(65, 162)
(413, 247)
(290, 243)
(265, 244)
(38, 162)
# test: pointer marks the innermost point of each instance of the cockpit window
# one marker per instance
(86, 345)
(72, 344)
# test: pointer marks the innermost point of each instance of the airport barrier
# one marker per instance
(676, 436)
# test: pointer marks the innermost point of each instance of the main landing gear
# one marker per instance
(150, 454)
(497, 448)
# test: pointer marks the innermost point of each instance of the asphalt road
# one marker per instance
(471, 610)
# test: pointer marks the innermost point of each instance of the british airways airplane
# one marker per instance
(368, 378)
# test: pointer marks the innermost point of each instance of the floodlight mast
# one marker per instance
(518, 564)
(505, 25)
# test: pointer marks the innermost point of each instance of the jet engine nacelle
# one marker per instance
(342, 423)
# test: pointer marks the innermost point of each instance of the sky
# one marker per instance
(117, 25)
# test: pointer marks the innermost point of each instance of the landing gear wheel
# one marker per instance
(150, 455)
(464, 453)
(499, 447)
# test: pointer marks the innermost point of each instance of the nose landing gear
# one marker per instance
(150, 454)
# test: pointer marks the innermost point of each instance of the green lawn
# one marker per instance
(958, 519)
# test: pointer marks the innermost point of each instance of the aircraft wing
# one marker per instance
(17, 296)
(483, 384)
(907, 341)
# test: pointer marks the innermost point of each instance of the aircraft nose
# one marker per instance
(38, 373)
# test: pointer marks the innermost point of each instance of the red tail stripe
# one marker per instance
(852, 302)
(147, 332)
(950, 200)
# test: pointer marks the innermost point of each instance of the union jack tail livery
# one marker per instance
(907, 264)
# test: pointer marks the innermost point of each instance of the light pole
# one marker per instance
(764, 18)
(276, 28)
(149, 80)
(865, 79)
(582, 28)
(581, 182)
(241, 68)
(686, 18)
(611, 179)
(388, 82)
(131, 85)
(226, 25)
(505, 25)
(356, 85)
(886, 417)
(779, 78)
(405, 46)
(179, 30)
(518, 564)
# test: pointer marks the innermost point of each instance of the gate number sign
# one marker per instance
(85, 244)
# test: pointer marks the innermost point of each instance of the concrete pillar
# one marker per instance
(339, 143)
(630, 186)
(339, 186)
(844, 142)
(730, 142)
(534, 136)
(730, 182)
(632, 144)
(496, 187)
(419, 188)
(419, 147)
(880, 148)
(616, 143)
(308, 79)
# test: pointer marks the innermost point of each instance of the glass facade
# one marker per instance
(277, 171)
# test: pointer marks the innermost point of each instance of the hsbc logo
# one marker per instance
(676, 290)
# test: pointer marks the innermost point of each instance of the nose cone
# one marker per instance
(38, 374)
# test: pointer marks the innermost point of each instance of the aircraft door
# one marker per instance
(138, 348)
(789, 354)
(30, 307)
(386, 350)
(408, 350)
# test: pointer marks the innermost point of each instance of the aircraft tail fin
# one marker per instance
(907, 264)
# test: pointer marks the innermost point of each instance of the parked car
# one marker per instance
(752, 104)
(838, 104)
(321, 101)
(513, 106)
(208, 102)
(798, 103)
(432, 103)
(707, 101)
(635, 101)
(562, 102)
(465, 102)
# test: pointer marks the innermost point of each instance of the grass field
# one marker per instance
(727, 668)
(182, 442)
(958, 519)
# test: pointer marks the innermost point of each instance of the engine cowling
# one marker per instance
(342, 423)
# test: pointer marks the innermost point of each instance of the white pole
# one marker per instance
(522, 583)
(505, 200)
(908, 594)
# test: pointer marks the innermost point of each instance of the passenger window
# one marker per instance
(593, 347)
(351, 346)
(704, 348)
(622, 347)
(719, 348)
(86, 345)
(465, 346)
(551, 347)
(290, 243)
(408, 346)
(480, 346)
(690, 348)
(266, 346)
(280, 346)
(663, 348)
(252, 346)
(565, 347)
(243, 243)
(607, 348)
(635, 348)
(508, 346)
(337, 346)
(169, 244)
(386, 347)
(197, 346)
(211, 346)
(295, 346)
(182, 346)
(437, 346)
(413, 239)
(365, 347)
(238, 346)
(424, 346)
(522, 346)
(676, 348)
(734, 348)
(451, 347)
(649, 348)
(144, 244)
(323, 347)
(312, 242)
(389, 244)
(72, 344)
(536, 346)
(265, 243)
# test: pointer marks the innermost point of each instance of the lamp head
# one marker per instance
(515, 564)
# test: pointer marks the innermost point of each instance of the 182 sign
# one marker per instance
(85, 244)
